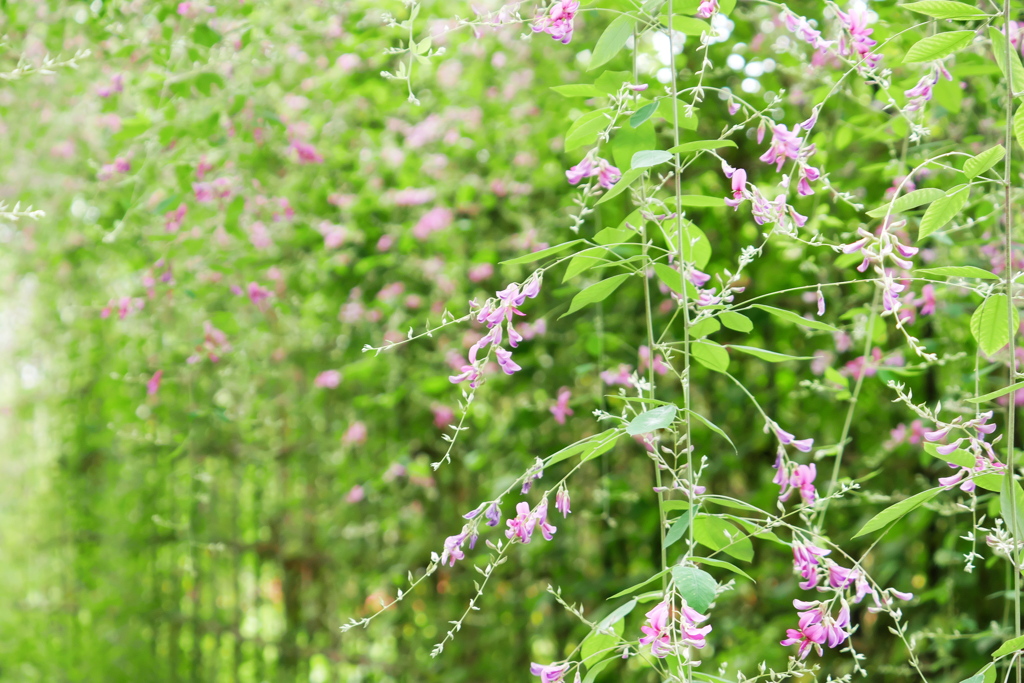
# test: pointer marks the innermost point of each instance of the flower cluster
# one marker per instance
(786, 144)
(527, 521)
(497, 314)
(764, 212)
(590, 166)
(707, 8)
(857, 36)
(921, 93)
(664, 622)
(985, 459)
(557, 22)
(817, 627)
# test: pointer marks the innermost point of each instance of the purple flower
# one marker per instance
(153, 385)
(659, 629)
(328, 379)
(707, 8)
(557, 23)
(561, 409)
(562, 501)
(803, 479)
(785, 145)
(551, 673)
(526, 521)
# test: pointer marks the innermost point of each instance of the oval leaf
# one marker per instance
(612, 40)
(595, 292)
(897, 511)
(958, 271)
(938, 46)
(654, 419)
(649, 157)
(696, 586)
(790, 316)
(943, 211)
(977, 165)
(770, 356)
(911, 200)
(945, 9)
(701, 145)
(711, 355)
(990, 325)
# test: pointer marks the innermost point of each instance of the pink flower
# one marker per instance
(480, 272)
(443, 416)
(806, 564)
(355, 495)
(551, 673)
(432, 221)
(855, 21)
(607, 175)
(658, 631)
(785, 145)
(562, 502)
(328, 379)
(305, 152)
(557, 23)
(526, 521)
(356, 434)
(153, 385)
(707, 8)
(803, 479)
(561, 409)
(817, 627)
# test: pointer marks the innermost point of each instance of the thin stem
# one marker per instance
(841, 445)
(1011, 404)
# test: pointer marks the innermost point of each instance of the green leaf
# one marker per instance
(897, 511)
(618, 188)
(669, 276)
(581, 446)
(718, 534)
(643, 113)
(538, 255)
(628, 141)
(996, 394)
(1014, 522)
(770, 356)
(583, 261)
(577, 90)
(713, 427)
(977, 165)
(938, 46)
(790, 316)
(690, 26)
(945, 9)
(943, 210)
(710, 355)
(205, 36)
(585, 129)
(957, 457)
(648, 158)
(989, 324)
(701, 145)
(651, 420)
(699, 200)
(957, 271)
(723, 564)
(1018, 125)
(999, 52)
(696, 246)
(600, 445)
(638, 586)
(704, 328)
(599, 645)
(612, 40)
(595, 292)
(696, 586)
(736, 321)
(911, 200)
(1012, 645)
(593, 671)
(678, 528)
